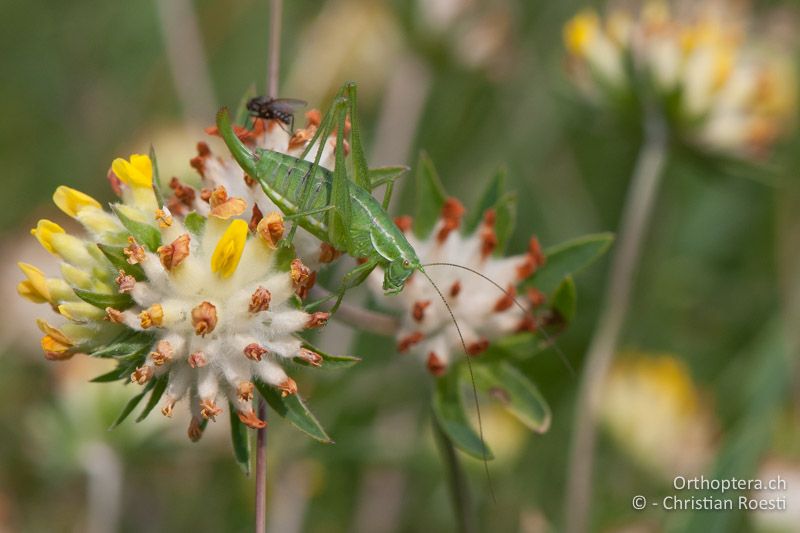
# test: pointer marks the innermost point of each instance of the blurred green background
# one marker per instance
(478, 85)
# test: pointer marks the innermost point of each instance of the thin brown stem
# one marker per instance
(273, 73)
(261, 471)
(274, 64)
(636, 215)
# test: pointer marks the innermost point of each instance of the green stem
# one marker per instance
(456, 481)
(636, 215)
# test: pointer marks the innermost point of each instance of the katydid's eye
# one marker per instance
(406, 263)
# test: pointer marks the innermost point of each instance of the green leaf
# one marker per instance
(430, 196)
(329, 361)
(116, 257)
(515, 392)
(295, 411)
(122, 371)
(569, 258)
(565, 299)
(240, 438)
(505, 214)
(195, 223)
(156, 178)
(144, 233)
(155, 396)
(132, 403)
(449, 411)
(490, 197)
(127, 343)
(357, 154)
(118, 301)
(382, 175)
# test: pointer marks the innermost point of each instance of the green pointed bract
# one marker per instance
(295, 411)
(119, 301)
(430, 196)
(240, 440)
(569, 258)
(117, 258)
(145, 234)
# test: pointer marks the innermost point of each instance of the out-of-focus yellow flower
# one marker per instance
(654, 412)
(718, 89)
(580, 31)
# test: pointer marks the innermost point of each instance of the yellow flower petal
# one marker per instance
(44, 232)
(72, 201)
(53, 332)
(229, 249)
(580, 30)
(35, 287)
(27, 291)
(138, 172)
(54, 349)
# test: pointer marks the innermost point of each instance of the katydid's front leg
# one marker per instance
(354, 278)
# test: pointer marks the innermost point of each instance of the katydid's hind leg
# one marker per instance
(352, 279)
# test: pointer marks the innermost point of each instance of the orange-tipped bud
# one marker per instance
(317, 320)
(260, 300)
(418, 312)
(125, 282)
(209, 410)
(197, 360)
(409, 341)
(134, 252)
(435, 365)
(204, 318)
(287, 387)
(250, 419)
(173, 254)
(254, 351)
(142, 375)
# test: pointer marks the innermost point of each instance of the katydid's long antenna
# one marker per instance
(516, 302)
(474, 389)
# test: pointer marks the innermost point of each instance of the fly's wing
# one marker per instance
(339, 218)
(287, 105)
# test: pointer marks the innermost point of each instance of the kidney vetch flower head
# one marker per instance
(719, 89)
(483, 312)
(196, 304)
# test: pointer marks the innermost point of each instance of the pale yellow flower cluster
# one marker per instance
(719, 88)
(655, 412)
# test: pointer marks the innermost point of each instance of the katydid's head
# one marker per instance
(397, 272)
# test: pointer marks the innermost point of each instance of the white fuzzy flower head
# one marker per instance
(483, 313)
(720, 89)
(205, 305)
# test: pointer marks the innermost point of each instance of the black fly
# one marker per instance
(281, 109)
